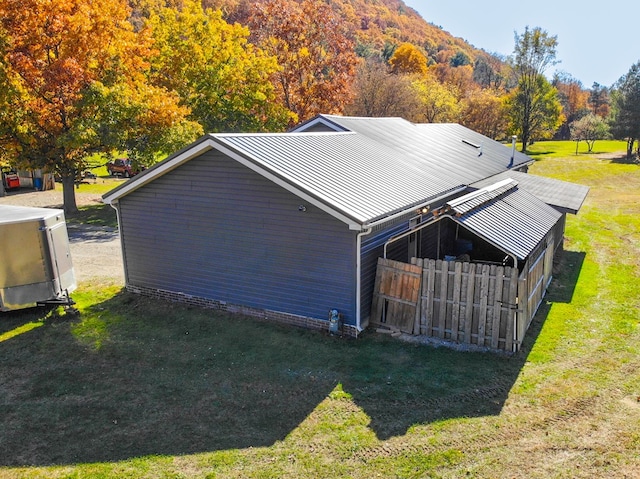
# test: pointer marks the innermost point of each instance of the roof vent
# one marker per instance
(475, 145)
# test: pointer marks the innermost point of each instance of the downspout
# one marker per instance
(124, 263)
(359, 277)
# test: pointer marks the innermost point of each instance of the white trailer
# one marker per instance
(35, 261)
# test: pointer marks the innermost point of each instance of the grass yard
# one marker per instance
(138, 388)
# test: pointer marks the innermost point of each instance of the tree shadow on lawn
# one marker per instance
(135, 377)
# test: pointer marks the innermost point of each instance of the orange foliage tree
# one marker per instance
(315, 51)
(408, 59)
(75, 74)
(484, 112)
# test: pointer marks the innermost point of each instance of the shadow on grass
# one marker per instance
(134, 377)
(566, 270)
(94, 215)
(625, 160)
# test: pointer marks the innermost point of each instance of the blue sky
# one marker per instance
(597, 41)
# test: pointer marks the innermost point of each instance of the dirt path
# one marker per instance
(95, 251)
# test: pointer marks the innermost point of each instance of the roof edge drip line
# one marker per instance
(422, 204)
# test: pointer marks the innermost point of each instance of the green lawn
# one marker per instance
(139, 388)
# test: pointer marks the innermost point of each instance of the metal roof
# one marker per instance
(351, 172)
(367, 170)
(479, 197)
(447, 149)
(560, 194)
(515, 222)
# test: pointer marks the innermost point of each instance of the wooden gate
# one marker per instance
(396, 294)
(454, 301)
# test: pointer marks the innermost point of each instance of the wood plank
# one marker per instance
(419, 262)
(455, 308)
(429, 285)
(513, 300)
(442, 314)
(497, 307)
(484, 295)
(468, 317)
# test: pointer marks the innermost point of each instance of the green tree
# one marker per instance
(543, 114)
(589, 128)
(74, 73)
(625, 122)
(219, 75)
(535, 51)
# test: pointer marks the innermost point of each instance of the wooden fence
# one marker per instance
(454, 301)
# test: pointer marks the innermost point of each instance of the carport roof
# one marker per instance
(513, 220)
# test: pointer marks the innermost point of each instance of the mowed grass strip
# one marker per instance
(138, 388)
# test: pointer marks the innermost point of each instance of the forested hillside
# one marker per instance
(378, 26)
(147, 77)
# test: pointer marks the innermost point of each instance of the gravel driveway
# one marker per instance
(95, 251)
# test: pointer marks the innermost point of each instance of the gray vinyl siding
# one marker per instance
(372, 249)
(215, 229)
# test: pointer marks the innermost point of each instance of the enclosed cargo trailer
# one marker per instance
(35, 260)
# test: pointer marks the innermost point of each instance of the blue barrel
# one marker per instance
(37, 184)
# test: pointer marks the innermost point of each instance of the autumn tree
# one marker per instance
(484, 112)
(379, 93)
(408, 59)
(438, 103)
(535, 51)
(573, 98)
(218, 74)
(589, 128)
(459, 78)
(315, 51)
(625, 123)
(493, 71)
(75, 74)
(599, 100)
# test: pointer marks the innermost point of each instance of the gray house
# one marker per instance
(290, 226)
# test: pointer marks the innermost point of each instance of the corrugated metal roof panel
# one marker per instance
(350, 172)
(561, 194)
(476, 198)
(516, 222)
(445, 148)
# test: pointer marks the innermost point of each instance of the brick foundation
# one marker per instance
(262, 314)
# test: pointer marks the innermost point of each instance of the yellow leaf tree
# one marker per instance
(219, 75)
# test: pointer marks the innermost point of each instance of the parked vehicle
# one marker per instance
(121, 167)
(36, 267)
(10, 178)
